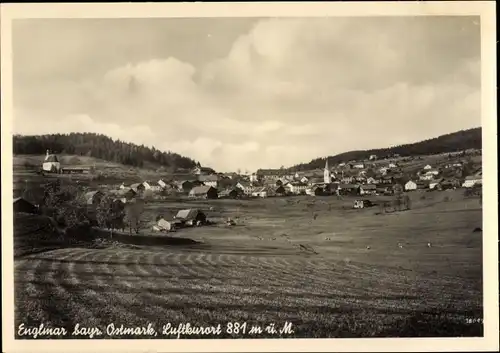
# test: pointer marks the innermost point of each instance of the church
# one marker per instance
(51, 163)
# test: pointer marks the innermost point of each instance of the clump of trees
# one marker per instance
(65, 204)
(133, 215)
(99, 146)
(401, 202)
(110, 214)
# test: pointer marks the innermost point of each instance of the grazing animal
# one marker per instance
(368, 247)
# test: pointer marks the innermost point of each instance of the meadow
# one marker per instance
(330, 270)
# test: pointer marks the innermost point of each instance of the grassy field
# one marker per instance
(303, 260)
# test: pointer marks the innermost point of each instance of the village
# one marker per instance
(359, 180)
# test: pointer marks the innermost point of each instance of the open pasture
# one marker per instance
(330, 270)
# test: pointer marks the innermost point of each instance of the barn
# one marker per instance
(190, 216)
(22, 205)
(204, 192)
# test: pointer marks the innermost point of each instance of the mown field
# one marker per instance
(330, 270)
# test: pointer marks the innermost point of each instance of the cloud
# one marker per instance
(287, 91)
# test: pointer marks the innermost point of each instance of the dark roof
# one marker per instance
(348, 186)
(200, 190)
(51, 158)
(204, 178)
(269, 171)
(188, 214)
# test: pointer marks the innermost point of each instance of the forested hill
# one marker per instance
(99, 146)
(457, 141)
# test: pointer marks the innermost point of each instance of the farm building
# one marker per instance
(202, 170)
(372, 180)
(149, 185)
(373, 157)
(137, 187)
(51, 163)
(269, 174)
(204, 192)
(428, 167)
(75, 170)
(164, 225)
(346, 189)
(280, 191)
(261, 192)
(472, 180)
(21, 205)
(246, 187)
(435, 184)
(128, 194)
(230, 193)
(367, 189)
(362, 203)
(209, 180)
(190, 216)
(122, 186)
(93, 197)
(410, 185)
(358, 166)
(185, 185)
(383, 170)
(392, 165)
(296, 187)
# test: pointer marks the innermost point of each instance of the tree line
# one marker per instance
(100, 146)
(454, 142)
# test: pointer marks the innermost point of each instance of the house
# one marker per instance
(421, 185)
(432, 172)
(410, 185)
(358, 166)
(373, 157)
(304, 180)
(472, 180)
(75, 170)
(127, 194)
(93, 197)
(387, 180)
(164, 185)
(138, 187)
(230, 193)
(209, 180)
(428, 167)
(392, 165)
(280, 191)
(122, 186)
(383, 170)
(450, 183)
(190, 216)
(347, 188)
(296, 187)
(149, 185)
(367, 189)
(426, 177)
(198, 170)
(21, 205)
(261, 192)
(204, 192)
(347, 179)
(164, 225)
(269, 174)
(51, 163)
(254, 177)
(372, 180)
(246, 187)
(435, 184)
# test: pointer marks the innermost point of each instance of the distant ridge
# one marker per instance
(102, 147)
(453, 142)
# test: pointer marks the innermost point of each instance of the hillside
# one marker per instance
(100, 147)
(454, 142)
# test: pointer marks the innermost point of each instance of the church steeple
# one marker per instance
(327, 179)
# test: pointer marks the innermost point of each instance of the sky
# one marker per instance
(249, 93)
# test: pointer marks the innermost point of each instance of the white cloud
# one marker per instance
(286, 92)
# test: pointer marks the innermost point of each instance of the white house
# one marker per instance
(163, 184)
(432, 172)
(358, 166)
(383, 170)
(254, 177)
(164, 225)
(296, 187)
(122, 186)
(373, 157)
(372, 180)
(472, 180)
(209, 180)
(410, 185)
(261, 192)
(434, 183)
(51, 163)
(427, 167)
(426, 177)
(392, 165)
(367, 189)
(151, 186)
(341, 164)
(247, 188)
